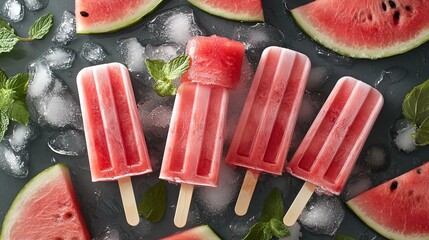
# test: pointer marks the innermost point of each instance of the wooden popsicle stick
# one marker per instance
(183, 204)
(299, 203)
(129, 201)
(246, 192)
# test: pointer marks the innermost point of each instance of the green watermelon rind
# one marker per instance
(28, 190)
(203, 231)
(121, 24)
(226, 14)
(379, 228)
(374, 53)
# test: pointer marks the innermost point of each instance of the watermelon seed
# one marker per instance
(383, 5)
(394, 185)
(396, 16)
(408, 8)
(392, 4)
(419, 171)
(84, 14)
(68, 216)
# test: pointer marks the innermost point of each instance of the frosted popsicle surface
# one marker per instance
(113, 130)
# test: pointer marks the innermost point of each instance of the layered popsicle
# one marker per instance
(195, 139)
(113, 130)
(265, 128)
(329, 150)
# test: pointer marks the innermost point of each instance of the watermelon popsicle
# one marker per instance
(329, 150)
(114, 135)
(264, 131)
(195, 139)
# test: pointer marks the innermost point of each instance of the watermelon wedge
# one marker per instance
(397, 209)
(366, 28)
(46, 208)
(99, 16)
(203, 232)
(239, 10)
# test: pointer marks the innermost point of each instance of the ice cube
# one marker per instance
(21, 135)
(66, 31)
(164, 52)
(317, 77)
(160, 116)
(61, 111)
(13, 163)
(258, 37)
(59, 57)
(113, 232)
(216, 200)
(108, 205)
(13, 10)
(402, 134)
(41, 79)
(173, 26)
(356, 185)
(69, 143)
(93, 53)
(34, 5)
(377, 157)
(322, 215)
(143, 230)
(295, 232)
(333, 57)
(239, 227)
(133, 54)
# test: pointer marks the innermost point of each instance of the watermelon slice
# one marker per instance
(366, 28)
(240, 10)
(397, 209)
(203, 232)
(46, 208)
(98, 16)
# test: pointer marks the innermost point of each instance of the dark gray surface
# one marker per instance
(415, 61)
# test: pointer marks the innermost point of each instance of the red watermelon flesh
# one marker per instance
(214, 61)
(399, 208)
(46, 208)
(366, 28)
(203, 232)
(97, 16)
(241, 10)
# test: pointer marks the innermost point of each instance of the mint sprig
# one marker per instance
(342, 237)
(270, 224)
(8, 38)
(416, 109)
(165, 72)
(13, 106)
(154, 202)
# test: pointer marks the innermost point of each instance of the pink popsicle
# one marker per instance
(263, 135)
(329, 150)
(195, 138)
(113, 131)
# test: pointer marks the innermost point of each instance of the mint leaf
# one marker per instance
(7, 40)
(155, 68)
(4, 24)
(4, 122)
(165, 72)
(342, 237)
(165, 89)
(3, 78)
(18, 84)
(273, 206)
(41, 27)
(278, 228)
(422, 134)
(259, 231)
(177, 66)
(18, 112)
(153, 203)
(416, 109)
